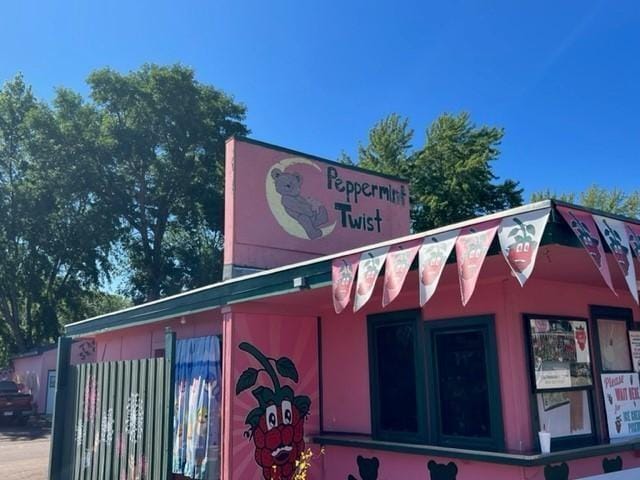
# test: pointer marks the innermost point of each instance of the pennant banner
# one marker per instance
(585, 229)
(432, 259)
(399, 260)
(471, 249)
(520, 237)
(633, 235)
(371, 263)
(343, 271)
(615, 235)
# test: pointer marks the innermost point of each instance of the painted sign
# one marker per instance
(284, 206)
(634, 342)
(622, 403)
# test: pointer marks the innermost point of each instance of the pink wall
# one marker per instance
(143, 341)
(273, 237)
(33, 371)
(344, 341)
(338, 462)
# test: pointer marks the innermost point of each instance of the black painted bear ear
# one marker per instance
(453, 467)
(564, 468)
(359, 460)
(431, 465)
(275, 173)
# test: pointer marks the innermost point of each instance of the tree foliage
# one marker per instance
(451, 176)
(166, 134)
(132, 176)
(55, 232)
(613, 201)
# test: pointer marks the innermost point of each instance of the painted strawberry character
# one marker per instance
(617, 248)
(370, 274)
(277, 423)
(589, 241)
(472, 259)
(435, 260)
(520, 252)
(344, 283)
(581, 337)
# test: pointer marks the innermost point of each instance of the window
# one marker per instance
(462, 403)
(561, 378)
(397, 391)
(612, 326)
(465, 407)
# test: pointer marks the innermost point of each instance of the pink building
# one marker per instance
(458, 388)
(36, 371)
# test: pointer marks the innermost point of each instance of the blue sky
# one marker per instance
(562, 78)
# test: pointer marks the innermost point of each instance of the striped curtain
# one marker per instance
(196, 424)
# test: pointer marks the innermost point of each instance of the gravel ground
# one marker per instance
(24, 452)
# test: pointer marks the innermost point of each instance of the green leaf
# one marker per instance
(303, 404)
(287, 369)
(246, 380)
(264, 395)
(253, 418)
(531, 230)
(514, 231)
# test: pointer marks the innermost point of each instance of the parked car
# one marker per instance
(14, 406)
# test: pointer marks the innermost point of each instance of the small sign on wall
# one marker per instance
(634, 342)
(622, 403)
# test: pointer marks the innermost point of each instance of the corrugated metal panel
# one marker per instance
(114, 420)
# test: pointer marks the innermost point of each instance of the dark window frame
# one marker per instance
(486, 325)
(407, 317)
(571, 441)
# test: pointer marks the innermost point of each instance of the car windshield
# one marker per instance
(8, 387)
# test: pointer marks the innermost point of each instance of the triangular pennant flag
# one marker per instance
(371, 263)
(520, 237)
(585, 229)
(471, 249)
(343, 272)
(432, 259)
(633, 234)
(398, 263)
(615, 235)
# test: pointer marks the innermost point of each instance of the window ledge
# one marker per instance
(524, 460)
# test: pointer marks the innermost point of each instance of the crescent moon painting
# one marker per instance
(299, 216)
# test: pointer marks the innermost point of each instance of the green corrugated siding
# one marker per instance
(116, 427)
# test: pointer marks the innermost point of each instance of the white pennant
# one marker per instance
(615, 235)
(520, 237)
(432, 258)
(371, 263)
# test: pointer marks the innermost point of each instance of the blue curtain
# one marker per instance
(196, 424)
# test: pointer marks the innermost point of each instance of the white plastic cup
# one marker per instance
(545, 442)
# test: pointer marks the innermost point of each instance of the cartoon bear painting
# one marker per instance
(367, 468)
(440, 471)
(308, 212)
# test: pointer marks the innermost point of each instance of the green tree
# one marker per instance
(614, 201)
(166, 135)
(451, 177)
(55, 233)
(388, 150)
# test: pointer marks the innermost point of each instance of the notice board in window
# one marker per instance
(622, 403)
